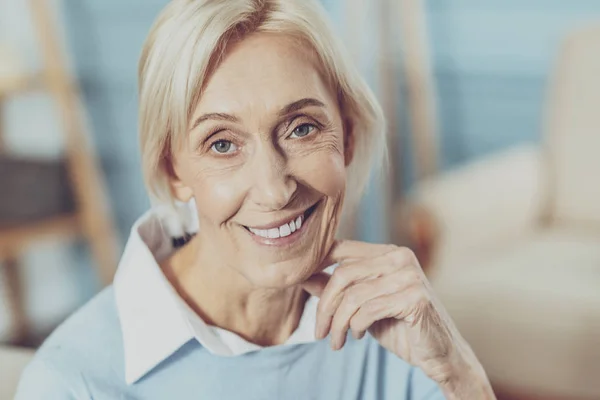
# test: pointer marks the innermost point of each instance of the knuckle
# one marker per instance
(402, 256)
(358, 323)
(405, 280)
(352, 297)
(355, 325)
(409, 255)
(336, 325)
(339, 276)
(337, 282)
(417, 295)
(397, 281)
(415, 278)
(372, 307)
(389, 248)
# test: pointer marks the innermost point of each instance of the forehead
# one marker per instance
(269, 70)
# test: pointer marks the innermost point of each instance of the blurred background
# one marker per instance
(494, 136)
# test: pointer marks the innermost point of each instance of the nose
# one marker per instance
(273, 188)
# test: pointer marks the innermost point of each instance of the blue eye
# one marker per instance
(302, 130)
(223, 147)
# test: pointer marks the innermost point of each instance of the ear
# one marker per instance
(349, 141)
(179, 189)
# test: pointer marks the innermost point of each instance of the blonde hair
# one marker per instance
(188, 41)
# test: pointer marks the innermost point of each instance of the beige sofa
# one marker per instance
(12, 362)
(515, 250)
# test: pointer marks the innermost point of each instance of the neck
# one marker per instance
(222, 297)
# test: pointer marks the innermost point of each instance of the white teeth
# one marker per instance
(285, 230)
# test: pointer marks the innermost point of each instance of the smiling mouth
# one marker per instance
(290, 228)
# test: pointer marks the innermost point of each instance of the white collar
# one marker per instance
(155, 321)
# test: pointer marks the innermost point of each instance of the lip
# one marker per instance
(286, 240)
(277, 224)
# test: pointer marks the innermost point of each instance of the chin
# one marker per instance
(282, 275)
(291, 259)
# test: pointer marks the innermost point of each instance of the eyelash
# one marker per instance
(210, 143)
(289, 136)
(305, 121)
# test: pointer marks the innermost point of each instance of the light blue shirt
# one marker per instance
(138, 340)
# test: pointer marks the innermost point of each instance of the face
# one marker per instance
(265, 159)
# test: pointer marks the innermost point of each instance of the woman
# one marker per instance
(254, 128)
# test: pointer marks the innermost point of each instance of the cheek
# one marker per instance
(324, 172)
(220, 191)
(218, 195)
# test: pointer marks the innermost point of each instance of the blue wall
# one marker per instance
(491, 61)
(106, 38)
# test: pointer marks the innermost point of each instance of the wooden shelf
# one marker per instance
(13, 239)
(11, 85)
(88, 217)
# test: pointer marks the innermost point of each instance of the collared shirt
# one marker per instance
(154, 319)
(139, 340)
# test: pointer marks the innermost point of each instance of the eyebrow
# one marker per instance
(300, 104)
(214, 116)
(290, 108)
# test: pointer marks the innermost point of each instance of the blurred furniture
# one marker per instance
(12, 363)
(407, 19)
(418, 76)
(49, 199)
(395, 27)
(513, 242)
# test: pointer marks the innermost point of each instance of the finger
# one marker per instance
(316, 284)
(332, 295)
(407, 306)
(353, 299)
(351, 249)
(359, 335)
(345, 276)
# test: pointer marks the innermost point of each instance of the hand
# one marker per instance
(382, 289)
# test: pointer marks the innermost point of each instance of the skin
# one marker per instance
(250, 161)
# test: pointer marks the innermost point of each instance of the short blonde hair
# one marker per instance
(188, 41)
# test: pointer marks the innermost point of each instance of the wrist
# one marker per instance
(467, 379)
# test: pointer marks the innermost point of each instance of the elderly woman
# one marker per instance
(255, 128)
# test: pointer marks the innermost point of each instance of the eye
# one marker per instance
(302, 130)
(223, 147)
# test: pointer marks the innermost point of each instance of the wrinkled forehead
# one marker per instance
(263, 73)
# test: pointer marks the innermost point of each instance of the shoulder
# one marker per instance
(87, 347)
(78, 340)
(42, 381)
